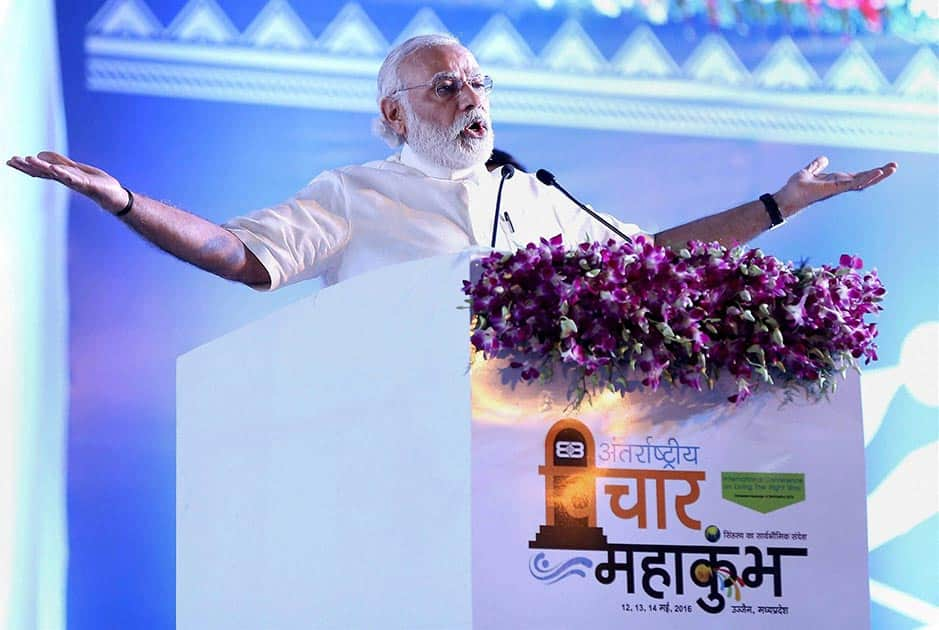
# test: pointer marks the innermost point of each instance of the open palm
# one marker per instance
(811, 184)
(82, 178)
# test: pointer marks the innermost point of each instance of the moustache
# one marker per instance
(467, 119)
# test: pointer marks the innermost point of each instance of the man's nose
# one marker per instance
(470, 99)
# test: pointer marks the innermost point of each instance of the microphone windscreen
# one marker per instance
(507, 171)
(545, 177)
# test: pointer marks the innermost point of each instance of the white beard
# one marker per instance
(448, 147)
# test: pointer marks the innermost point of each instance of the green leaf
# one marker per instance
(568, 327)
(666, 330)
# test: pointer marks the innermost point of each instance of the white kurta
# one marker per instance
(354, 219)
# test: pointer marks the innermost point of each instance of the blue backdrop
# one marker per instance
(213, 108)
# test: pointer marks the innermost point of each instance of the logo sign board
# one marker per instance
(668, 509)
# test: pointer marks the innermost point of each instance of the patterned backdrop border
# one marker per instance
(570, 83)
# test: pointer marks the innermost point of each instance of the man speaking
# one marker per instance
(434, 197)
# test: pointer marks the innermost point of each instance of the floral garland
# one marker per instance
(619, 315)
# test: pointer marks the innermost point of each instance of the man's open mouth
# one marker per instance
(476, 129)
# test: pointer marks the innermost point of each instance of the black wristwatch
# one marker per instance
(772, 209)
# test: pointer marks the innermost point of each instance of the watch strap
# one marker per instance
(772, 209)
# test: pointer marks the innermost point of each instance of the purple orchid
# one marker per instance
(634, 312)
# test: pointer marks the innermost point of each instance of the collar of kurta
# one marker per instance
(412, 159)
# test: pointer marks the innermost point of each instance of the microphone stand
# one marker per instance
(507, 171)
(547, 178)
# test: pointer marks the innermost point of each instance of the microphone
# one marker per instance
(547, 178)
(507, 171)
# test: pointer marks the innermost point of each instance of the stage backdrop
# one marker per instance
(654, 112)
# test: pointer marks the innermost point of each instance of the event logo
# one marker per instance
(571, 474)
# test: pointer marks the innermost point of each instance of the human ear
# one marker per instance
(393, 113)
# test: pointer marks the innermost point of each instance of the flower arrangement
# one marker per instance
(627, 315)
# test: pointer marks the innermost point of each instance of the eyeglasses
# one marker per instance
(448, 87)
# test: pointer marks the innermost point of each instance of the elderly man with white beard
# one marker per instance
(434, 197)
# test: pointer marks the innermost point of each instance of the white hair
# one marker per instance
(389, 79)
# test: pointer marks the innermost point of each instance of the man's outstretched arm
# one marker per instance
(805, 187)
(182, 234)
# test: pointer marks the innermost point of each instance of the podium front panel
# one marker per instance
(323, 461)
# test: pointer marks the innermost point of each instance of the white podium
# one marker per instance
(329, 455)
(323, 461)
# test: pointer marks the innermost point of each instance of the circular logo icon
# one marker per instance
(712, 533)
(702, 573)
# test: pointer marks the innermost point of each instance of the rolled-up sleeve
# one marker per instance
(302, 237)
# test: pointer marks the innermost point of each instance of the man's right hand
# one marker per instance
(92, 182)
(182, 234)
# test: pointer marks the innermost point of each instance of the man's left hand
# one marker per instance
(810, 184)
